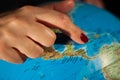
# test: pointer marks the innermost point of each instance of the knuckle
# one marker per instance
(8, 20)
(37, 54)
(64, 19)
(26, 8)
(51, 40)
(14, 20)
(7, 34)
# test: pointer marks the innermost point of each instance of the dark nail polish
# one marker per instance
(84, 38)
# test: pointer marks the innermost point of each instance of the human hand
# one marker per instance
(23, 32)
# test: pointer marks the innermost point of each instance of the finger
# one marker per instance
(27, 47)
(63, 22)
(10, 55)
(63, 6)
(41, 34)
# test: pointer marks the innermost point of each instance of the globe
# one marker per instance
(98, 59)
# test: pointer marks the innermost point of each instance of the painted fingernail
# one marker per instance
(84, 38)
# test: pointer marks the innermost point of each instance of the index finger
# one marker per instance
(62, 22)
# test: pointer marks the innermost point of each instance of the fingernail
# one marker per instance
(84, 38)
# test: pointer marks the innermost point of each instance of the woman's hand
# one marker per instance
(24, 30)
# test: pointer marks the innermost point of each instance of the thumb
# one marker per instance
(63, 6)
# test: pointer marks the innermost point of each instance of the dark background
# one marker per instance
(113, 6)
(7, 5)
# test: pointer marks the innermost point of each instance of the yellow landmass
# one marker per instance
(96, 36)
(51, 53)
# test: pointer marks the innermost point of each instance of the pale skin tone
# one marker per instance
(22, 30)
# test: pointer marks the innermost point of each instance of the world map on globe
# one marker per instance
(98, 59)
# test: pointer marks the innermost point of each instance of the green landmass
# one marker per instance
(110, 56)
(56, 30)
(112, 71)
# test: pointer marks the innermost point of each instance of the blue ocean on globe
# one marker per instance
(101, 27)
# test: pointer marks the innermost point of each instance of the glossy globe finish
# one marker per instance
(91, 61)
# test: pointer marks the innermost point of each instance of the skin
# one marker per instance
(24, 31)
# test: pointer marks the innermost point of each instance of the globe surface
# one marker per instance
(99, 59)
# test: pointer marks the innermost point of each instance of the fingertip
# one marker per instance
(37, 55)
(80, 38)
(84, 38)
(70, 3)
(67, 5)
